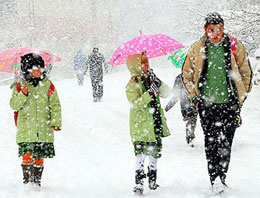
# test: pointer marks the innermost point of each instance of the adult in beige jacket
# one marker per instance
(217, 76)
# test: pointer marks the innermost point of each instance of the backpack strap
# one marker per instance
(51, 90)
(233, 41)
(18, 88)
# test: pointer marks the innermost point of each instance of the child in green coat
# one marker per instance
(147, 121)
(36, 102)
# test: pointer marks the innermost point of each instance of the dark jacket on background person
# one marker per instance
(95, 64)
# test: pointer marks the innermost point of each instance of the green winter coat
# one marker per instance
(37, 112)
(141, 115)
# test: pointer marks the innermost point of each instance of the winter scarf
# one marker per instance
(33, 81)
(155, 104)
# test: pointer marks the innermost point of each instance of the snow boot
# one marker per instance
(27, 173)
(190, 129)
(37, 174)
(223, 179)
(152, 176)
(190, 137)
(139, 176)
(218, 187)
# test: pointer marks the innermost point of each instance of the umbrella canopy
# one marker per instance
(10, 59)
(154, 45)
(177, 57)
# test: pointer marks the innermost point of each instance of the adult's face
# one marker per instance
(214, 32)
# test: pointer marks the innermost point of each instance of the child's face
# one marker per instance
(144, 62)
(36, 72)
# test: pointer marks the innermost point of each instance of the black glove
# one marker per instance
(167, 108)
(191, 112)
(195, 101)
(153, 89)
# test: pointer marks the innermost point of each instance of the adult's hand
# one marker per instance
(195, 101)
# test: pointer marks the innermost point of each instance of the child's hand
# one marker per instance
(25, 90)
(55, 128)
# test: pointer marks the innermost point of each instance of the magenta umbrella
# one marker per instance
(154, 45)
(10, 59)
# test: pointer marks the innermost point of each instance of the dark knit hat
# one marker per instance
(213, 18)
(95, 49)
(30, 60)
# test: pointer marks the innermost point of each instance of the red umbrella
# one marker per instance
(10, 59)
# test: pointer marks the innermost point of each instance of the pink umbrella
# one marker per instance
(10, 59)
(154, 45)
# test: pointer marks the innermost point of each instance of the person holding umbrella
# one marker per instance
(217, 76)
(36, 101)
(147, 121)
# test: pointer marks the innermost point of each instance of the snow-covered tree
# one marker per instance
(190, 27)
(242, 19)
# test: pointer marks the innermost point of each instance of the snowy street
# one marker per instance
(95, 157)
(210, 42)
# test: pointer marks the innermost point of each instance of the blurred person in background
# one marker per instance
(95, 63)
(188, 111)
(79, 66)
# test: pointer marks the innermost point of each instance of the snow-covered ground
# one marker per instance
(94, 154)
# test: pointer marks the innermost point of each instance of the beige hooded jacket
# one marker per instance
(241, 71)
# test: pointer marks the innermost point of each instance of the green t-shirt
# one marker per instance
(215, 86)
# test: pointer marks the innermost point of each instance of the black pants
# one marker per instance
(219, 124)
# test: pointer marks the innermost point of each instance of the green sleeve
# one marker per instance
(55, 109)
(137, 99)
(18, 100)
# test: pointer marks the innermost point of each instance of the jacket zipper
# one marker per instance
(37, 120)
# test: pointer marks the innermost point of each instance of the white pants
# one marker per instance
(139, 165)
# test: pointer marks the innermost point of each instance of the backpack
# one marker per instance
(233, 41)
(18, 88)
